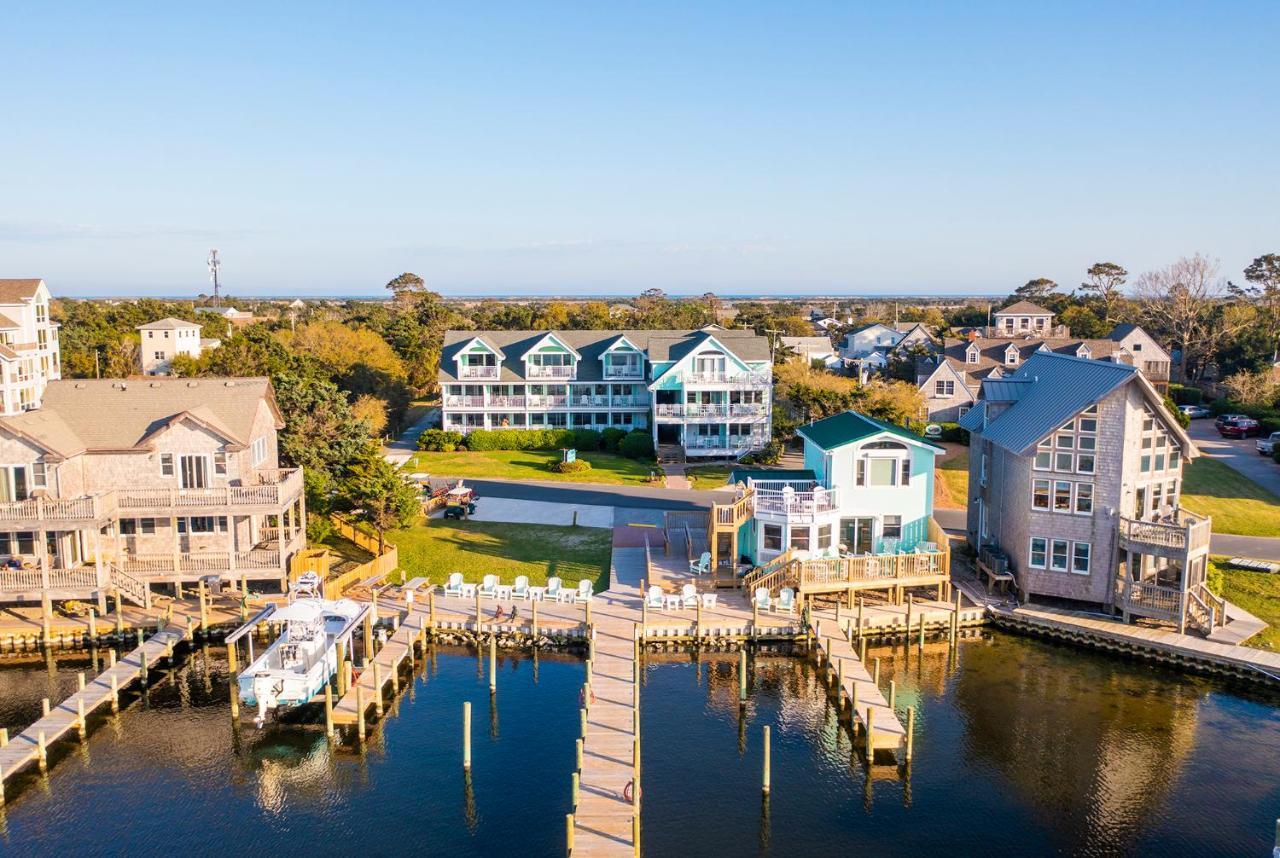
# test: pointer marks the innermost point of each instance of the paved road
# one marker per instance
(400, 450)
(1240, 454)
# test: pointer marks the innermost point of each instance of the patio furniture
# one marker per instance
(673, 601)
(453, 587)
(708, 600)
(504, 592)
(536, 593)
(468, 591)
(787, 600)
(761, 598)
(489, 587)
(583, 593)
(688, 596)
(552, 592)
(702, 565)
(654, 599)
(520, 590)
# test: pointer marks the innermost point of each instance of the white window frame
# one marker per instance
(1048, 493)
(220, 463)
(1053, 555)
(943, 388)
(258, 451)
(1075, 557)
(167, 465)
(1075, 500)
(1043, 552)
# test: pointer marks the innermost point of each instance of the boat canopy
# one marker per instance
(301, 611)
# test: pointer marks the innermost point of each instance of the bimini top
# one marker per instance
(301, 611)
(851, 427)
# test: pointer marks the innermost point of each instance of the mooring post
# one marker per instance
(911, 729)
(115, 691)
(574, 794)
(578, 754)
(862, 650)
(911, 601)
(115, 594)
(922, 630)
(893, 694)
(368, 635)
(493, 663)
(871, 745)
(635, 829)
(93, 624)
(859, 618)
(698, 613)
(44, 706)
(568, 833)
(477, 610)
(377, 689)
(80, 725)
(204, 607)
(466, 736)
(360, 713)
(644, 603)
(586, 621)
(755, 617)
(582, 721)
(80, 681)
(955, 618)
(42, 756)
(431, 607)
(840, 681)
(534, 604)
(764, 786)
(742, 677)
(875, 673)
(328, 710)
(46, 619)
(853, 697)
(4, 737)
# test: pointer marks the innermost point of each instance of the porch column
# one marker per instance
(177, 557)
(97, 560)
(42, 555)
(233, 544)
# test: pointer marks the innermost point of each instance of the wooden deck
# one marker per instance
(870, 708)
(369, 690)
(31, 745)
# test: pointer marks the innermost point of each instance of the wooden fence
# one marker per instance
(381, 565)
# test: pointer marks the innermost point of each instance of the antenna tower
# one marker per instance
(214, 264)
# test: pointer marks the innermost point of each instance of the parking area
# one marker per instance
(1238, 453)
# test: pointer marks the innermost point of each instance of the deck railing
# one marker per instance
(83, 578)
(276, 489)
(83, 508)
(1151, 600)
(1183, 531)
(536, 371)
(796, 504)
(478, 372)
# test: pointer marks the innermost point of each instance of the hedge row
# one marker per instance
(636, 444)
(1268, 418)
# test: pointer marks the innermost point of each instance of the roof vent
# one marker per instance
(154, 384)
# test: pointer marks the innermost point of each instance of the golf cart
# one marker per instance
(459, 502)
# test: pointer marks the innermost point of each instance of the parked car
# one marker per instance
(1223, 418)
(1239, 427)
(1267, 446)
(1194, 411)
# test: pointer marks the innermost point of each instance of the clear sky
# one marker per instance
(605, 148)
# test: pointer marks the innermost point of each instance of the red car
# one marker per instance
(1239, 427)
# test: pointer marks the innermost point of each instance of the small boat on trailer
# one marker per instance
(298, 664)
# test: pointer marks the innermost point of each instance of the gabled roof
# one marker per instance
(680, 351)
(992, 351)
(551, 335)
(482, 340)
(851, 427)
(15, 291)
(1051, 389)
(1023, 308)
(168, 324)
(1119, 332)
(618, 342)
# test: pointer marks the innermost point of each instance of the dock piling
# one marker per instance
(764, 786)
(80, 681)
(493, 664)
(80, 723)
(534, 603)
(377, 689)
(342, 669)
(875, 672)
(742, 677)
(360, 713)
(860, 622)
(911, 602)
(328, 710)
(893, 694)
(44, 706)
(911, 729)
(93, 625)
(871, 745)
(568, 833)
(43, 756)
(115, 690)
(576, 787)
(578, 758)
(4, 736)
(466, 736)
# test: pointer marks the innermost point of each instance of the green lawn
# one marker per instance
(708, 477)
(346, 553)
(1256, 592)
(434, 548)
(952, 488)
(1238, 505)
(532, 465)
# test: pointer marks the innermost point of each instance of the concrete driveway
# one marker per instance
(1237, 453)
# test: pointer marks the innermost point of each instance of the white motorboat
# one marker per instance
(304, 657)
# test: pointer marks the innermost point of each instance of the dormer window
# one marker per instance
(1011, 356)
(971, 354)
(1083, 352)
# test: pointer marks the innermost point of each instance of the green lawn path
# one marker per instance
(1238, 504)
(1256, 592)
(531, 465)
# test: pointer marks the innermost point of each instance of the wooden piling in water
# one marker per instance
(534, 603)
(93, 624)
(466, 736)
(921, 630)
(431, 607)
(233, 673)
(875, 673)
(893, 694)
(911, 729)
(42, 753)
(328, 710)
(4, 736)
(477, 610)
(871, 746)
(575, 790)
(80, 722)
(578, 755)
(568, 833)
(204, 607)
(115, 691)
(742, 677)
(911, 602)
(341, 651)
(377, 689)
(766, 774)
(44, 706)
(493, 664)
(360, 713)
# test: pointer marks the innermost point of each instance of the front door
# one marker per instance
(195, 472)
(855, 535)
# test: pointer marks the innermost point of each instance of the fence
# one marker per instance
(380, 566)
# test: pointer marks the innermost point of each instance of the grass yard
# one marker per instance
(708, 477)
(347, 554)
(1238, 505)
(1256, 592)
(532, 465)
(951, 486)
(434, 548)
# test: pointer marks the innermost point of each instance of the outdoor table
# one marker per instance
(708, 600)
(468, 591)
(673, 600)
(504, 591)
(536, 593)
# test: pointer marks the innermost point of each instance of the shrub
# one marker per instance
(439, 440)
(520, 439)
(611, 438)
(1185, 394)
(769, 455)
(954, 432)
(637, 445)
(1184, 420)
(1275, 455)
(577, 466)
(586, 439)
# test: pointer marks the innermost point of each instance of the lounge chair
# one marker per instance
(583, 593)
(453, 587)
(761, 599)
(488, 587)
(520, 590)
(787, 600)
(688, 596)
(655, 597)
(554, 590)
(702, 565)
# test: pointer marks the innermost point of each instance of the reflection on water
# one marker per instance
(1023, 748)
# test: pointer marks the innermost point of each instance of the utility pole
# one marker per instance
(214, 264)
(772, 341)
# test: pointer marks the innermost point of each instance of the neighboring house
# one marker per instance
(885, 339)
(950, 381)
(30, 356)
(1024, 319)
(866, 489)
(1075, 482)
(162, 341)
(807, 350)
(239, 318)
(129, 485)
(707, 392)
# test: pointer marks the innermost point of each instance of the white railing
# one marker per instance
(464, 401)
(478, 372)
(535, 371)
(716, 411)
(630, 401)
(83, 508)
(716, 442)
(161, 566)
(28, 580)
(614, 372)
(711, 377)
(507, 401)
(129, 586)
(276, 489)
(791, 503)
(540, 401)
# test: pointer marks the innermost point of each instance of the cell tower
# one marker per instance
(214, 264)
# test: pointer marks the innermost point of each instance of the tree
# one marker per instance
(1185, 301)
(1104, 282)
(1264, 293)
(373, 491)
(1036, 290)
(407, 286)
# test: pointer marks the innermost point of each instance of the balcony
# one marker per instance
(33, 513)
(1178, 535)
(464, 402)
(713, 411)
(613, 373)
(275, 490)
(542, 401)
(507, 401)
(536, 371)
(779, 500)
(706, 377)
(480, 372)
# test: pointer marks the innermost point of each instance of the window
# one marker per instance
(773, 537)
(800, 538)
(1065, 442)
(1039, 494)
(158, 355)
(824, 537)
(944, 388)
(1039, 552)
(1044, 460)
(1159, 461)
(892, 527)
(1080, 558)
(1062, 496)
(1174, 459)
(1088, 424)
(23, 542)
(1063, 461)
(904, 476)
(220, 462)
(1058, 560)
(39, 475)
(259, 451)
(42, 312)
(1146, 464)
(1085, 463)
(1084, 498)
(166, 464)
(203, 524)
(971, 356)
(860, 478)
(881, 471)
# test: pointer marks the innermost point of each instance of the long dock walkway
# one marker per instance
(384, 669)
(30, 746)
(858, 688)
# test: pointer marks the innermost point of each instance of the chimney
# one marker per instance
(972, 336)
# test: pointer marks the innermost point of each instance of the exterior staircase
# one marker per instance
(129, 587)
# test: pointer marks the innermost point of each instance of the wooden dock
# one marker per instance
(31, 745)
(369, 690)
(858, 690)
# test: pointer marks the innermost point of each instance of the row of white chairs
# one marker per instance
(786, 600)
(555, 591)
(688, 597)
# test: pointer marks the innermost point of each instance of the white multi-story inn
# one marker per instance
(706, 392)
(29, 351)
(132, 484)
(162, 341)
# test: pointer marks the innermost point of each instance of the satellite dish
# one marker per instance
(933, 430)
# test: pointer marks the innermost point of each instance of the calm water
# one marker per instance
(1023, 748)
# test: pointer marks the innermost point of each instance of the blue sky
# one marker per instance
(606, 148)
